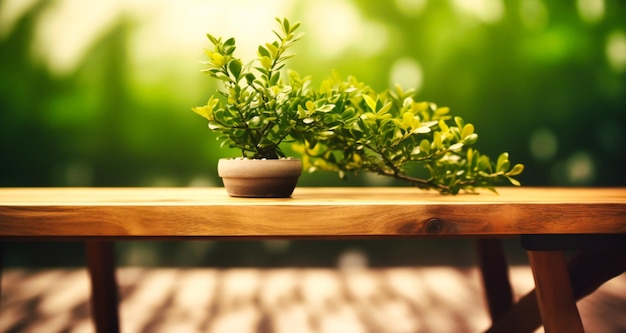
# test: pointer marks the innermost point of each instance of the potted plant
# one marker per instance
(390, 134)
(255, 111)
(343, 126)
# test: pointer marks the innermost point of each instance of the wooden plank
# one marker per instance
(312, 212)
(557, 306)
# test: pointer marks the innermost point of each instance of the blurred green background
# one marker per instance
(99, 93)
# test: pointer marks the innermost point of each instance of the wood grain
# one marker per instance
(311, 212)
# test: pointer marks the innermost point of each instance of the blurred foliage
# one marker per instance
(542, 80)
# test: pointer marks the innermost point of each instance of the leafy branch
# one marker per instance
(390, 134)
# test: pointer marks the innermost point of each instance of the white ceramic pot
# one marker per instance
(265, 178)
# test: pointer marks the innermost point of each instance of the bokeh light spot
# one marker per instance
(580, 169)
(373, 39)
(352, 259)
(62, 19)
(590, 11)
(333, 27)
(487, 11)
(543, 144)
(533, 14)
(616, 51)
(406, 72)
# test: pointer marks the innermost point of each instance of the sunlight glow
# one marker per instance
(591, 11)
(172, 28)
(166, 29)
(487, 11)
(333, 27)
(10, 12)
(67, 29)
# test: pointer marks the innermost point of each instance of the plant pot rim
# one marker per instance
(259, 168)
(259, 159)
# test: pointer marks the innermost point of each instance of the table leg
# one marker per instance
(1, 268)
(495, 277)
(588, 270)
(554, 292)
(104, 293)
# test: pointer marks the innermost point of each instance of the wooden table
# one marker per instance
(549, 220)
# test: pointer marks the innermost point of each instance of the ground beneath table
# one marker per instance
(394, 299)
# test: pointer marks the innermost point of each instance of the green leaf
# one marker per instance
(425, 146)
(424, 130)
(234, 67)
(250, 78)
(275, 78)
(273, 49)
(384, 109)
(502, 165)
(492, 189)
(295, 26)
(326, 108)
(514, 181)
(437, 140)
(456, 147)
(266, 62)
(263, 51)
(371, 103)
(471, 139)
(517, 169)
(205, 111)
(484, 163)
(229, 50)
(443, 126)
(442, 111)
(213, 40)
(459, 122)
(468, 129)
(217, 59)
(229, 42)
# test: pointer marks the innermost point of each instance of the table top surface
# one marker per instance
(310, 212)
(154, 196)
